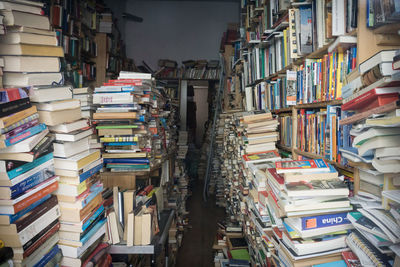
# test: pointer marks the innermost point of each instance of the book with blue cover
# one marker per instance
(325, 220)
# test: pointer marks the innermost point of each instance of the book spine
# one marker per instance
(29, 166)
(31, 172)
(133, 161)
(44, 146)
(93, 217)
(32, 181)
(47, 258)
(19, 123)
(119, 139)
(93, 231)
(90, 173)
(25, 134)
(16, 117)
(11, 107)
(36, 213)
(38, 225)
(113, 98)
(35, 197)
(120, 143)
(320, 221)
(21, 128)
(41, 237)
(13, 218)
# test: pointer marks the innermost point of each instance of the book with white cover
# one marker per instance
(31, 64)
(378, 58)
(378, 142)
(68, 149)
(73, 136)
(18, 18)
(28, 38)
(19, 79)
(47, 94)
(23, 7)
(69, 127)
(374, 132)
(134, 75)
(74, 162)
(58, 105)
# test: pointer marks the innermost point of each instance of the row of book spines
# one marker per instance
(322, 131)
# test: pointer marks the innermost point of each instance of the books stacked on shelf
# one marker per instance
(200, 69)
(29, 214)
(131, 216)
(79, 191)
(380, 15)
(29, 49)
(123, 118)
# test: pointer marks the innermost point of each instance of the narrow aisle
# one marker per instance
(196, 250)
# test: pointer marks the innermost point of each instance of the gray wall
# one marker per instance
(177, 30)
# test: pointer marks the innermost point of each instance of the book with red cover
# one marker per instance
(375, 98)
(351, 259)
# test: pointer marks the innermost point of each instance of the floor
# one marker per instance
(196, 249)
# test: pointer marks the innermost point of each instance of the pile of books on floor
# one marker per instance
(122, 122)
(371, 143)
(29, 214)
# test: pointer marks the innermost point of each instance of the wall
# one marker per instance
(178, 30)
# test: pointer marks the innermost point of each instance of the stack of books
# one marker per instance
(105, 23)
(259, 132)
(29, 214)
(85, 95)
(313, 203)
(122, 118)
(371, 142)
(31, 55)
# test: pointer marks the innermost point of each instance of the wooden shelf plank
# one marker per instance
(319, 104)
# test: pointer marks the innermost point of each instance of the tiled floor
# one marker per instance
(196, 250)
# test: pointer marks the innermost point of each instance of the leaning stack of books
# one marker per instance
(313, 203)
(29, 214)
(122, 118)
(182, 144)
(371, 142)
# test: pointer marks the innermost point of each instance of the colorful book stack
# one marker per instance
(313, 203)
(122, 117)
(372, 144)
(29, 214)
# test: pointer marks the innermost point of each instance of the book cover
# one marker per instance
(318, 221)
(262, 156)
(291, 90)
(317, 187)
(313, 165)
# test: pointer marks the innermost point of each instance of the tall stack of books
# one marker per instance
(31, 55)
(371, 142)
(313, 203)
(122, 119)
(29, 214)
